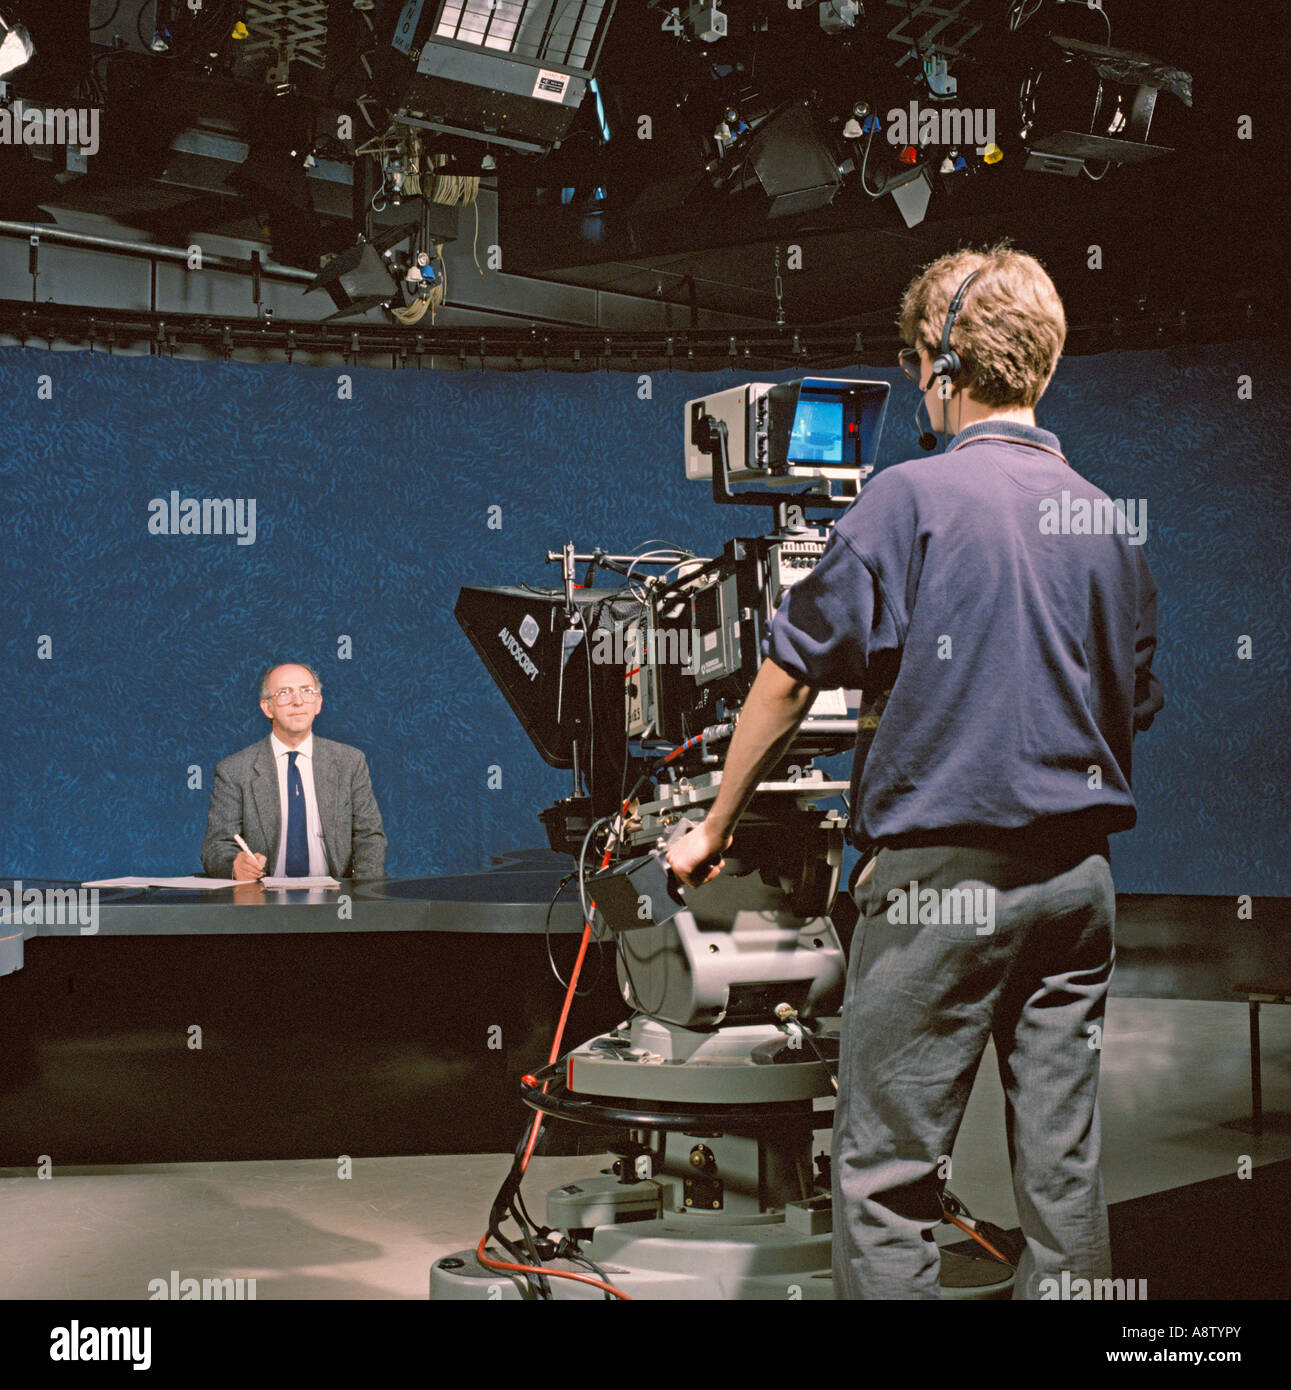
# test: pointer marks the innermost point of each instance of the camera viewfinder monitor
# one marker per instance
(817, 433)
(824, 422)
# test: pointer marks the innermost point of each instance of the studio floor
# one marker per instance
(1175, 1092)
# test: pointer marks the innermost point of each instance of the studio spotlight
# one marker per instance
(836, 16)
(1086, 102)
(793, 164)
(16, 46)
(706, 22)
(357, 280)
(362, 277)
(510, 74)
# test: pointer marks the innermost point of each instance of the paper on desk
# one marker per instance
(322, 881)
(193, 881)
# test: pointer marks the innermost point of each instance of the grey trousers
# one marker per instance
(1025, 958)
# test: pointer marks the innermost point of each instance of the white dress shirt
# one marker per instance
(313, 822)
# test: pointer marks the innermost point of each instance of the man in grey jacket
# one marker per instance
(303, 804)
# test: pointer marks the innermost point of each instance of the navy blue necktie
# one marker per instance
(297, 841)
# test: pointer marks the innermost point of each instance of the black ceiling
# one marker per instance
(1197, 230)
(1191, 230)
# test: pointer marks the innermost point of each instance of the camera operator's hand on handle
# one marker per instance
(696, 857)
(776, 705)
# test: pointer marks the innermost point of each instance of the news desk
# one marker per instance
(391, 1017)
(381, 1018)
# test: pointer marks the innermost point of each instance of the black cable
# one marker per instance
(596, 1269)
(566, 1249)
(532, 1232)
(509, 1199)
(94, 29)
(347, 69)
(546, 928)
(633, 997)
(551, 960)
(525, 1282)
(113, 53)
(582, 866)
(536, 1287)
(955, 1204)
(531, 1250)
(623, 779)
(524, 1211)
(591, 701)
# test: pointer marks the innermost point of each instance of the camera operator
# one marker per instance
(1017, 647)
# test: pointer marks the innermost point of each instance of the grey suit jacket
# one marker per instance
(244, 801)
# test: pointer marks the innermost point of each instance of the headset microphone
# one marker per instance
(927, 440)
(947, 365)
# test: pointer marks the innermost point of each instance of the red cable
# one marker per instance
(555, 1053)
(560, 1030)
(551, 1273)
(537, 1119)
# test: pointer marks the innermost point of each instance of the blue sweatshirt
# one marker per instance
(988, 589)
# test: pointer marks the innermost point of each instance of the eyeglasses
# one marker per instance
(284, 696)
(909, 360)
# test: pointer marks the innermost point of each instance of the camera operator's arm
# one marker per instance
(834, 629)
(777, 703)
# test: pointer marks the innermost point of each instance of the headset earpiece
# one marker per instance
(948, 365)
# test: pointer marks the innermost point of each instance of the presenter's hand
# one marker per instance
(696, 858)
(248, 866)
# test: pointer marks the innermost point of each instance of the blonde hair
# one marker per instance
(1010, 331)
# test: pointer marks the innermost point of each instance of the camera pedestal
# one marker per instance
(706, 1200)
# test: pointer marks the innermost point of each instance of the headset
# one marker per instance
(948, 364)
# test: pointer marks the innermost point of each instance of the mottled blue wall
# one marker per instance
(371, 513)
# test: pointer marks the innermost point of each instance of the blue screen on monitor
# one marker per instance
(817, 434)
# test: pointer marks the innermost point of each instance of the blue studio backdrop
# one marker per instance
(131, 657)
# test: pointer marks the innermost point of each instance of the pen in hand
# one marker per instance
(255, 869)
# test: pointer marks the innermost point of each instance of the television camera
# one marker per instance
(635, 687)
